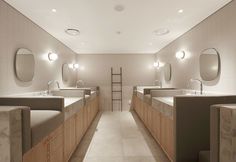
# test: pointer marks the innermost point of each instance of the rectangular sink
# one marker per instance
(166, 92)
(87, 91)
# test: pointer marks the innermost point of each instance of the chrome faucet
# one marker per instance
(79, 83)
(51, 82)
(158, 82)
(201, 85)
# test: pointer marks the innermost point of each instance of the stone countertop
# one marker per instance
(140, 94)
(164, 105)
(10, 132)
(228, 106)
(71, 100)
(72, 106)
(87, 97)
(147, 99)
(167, 100)
(9, 108)
(141, 88)
(227, 146)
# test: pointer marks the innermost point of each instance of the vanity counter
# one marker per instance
(164, 105)
(72, 105)
(167, 100)
(71, 100)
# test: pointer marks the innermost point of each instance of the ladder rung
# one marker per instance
(116, 99)
(116, 74)
(116, 82)
(116, 91)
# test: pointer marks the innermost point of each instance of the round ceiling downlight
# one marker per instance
(54, 10)
(161, 31)
(181, 11)
(72, 32)
(119, 8)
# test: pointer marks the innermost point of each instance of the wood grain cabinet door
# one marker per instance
(79, 126)
(56, 145)
(85, 118)
(73, 134)
(170, 138)
(156, 124)
(39, 153)
(69, 137)
(149, 118)
(67, 143)
(164, 129)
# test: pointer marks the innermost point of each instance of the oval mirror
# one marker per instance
(24, 65)
(167, 72)
(65, 72)
(209, 64)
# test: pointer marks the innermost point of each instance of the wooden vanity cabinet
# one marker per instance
(145, 113)
(158, 123)
(59, 145)
(56, 145)
(39, 153)
(149, 117)
(170, 138)
(79, 126)
(85, 118)
(69, 137)
(50, 149)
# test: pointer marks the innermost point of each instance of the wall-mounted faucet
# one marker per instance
(79, 83)
(51, 82)
(201, 85)
(158, 82)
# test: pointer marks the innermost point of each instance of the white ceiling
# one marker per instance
(98, 22)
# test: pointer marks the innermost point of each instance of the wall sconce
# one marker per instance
(52, 56)
(156, 64)
(74, 66)
(180, 55)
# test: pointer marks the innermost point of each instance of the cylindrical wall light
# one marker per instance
(74, 66)
(180, 55)
(156, 64)
(52, 56)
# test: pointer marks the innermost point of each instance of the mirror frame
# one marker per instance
(16, 65)
(65, 65)
(167, 77)
(218, 63)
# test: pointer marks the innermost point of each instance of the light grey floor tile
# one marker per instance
(118, 137)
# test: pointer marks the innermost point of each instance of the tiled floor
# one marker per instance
(118, 137)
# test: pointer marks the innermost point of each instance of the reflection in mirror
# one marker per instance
(209, 64)
(24, 65)
(167, 72)
(65, 72)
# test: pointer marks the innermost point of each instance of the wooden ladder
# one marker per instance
(116, 83)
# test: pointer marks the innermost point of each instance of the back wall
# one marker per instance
(137, 70)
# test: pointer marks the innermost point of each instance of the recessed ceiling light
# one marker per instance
(119, 8)
(161, 31)
(72, 32)
(54, 10)
(181, 11)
